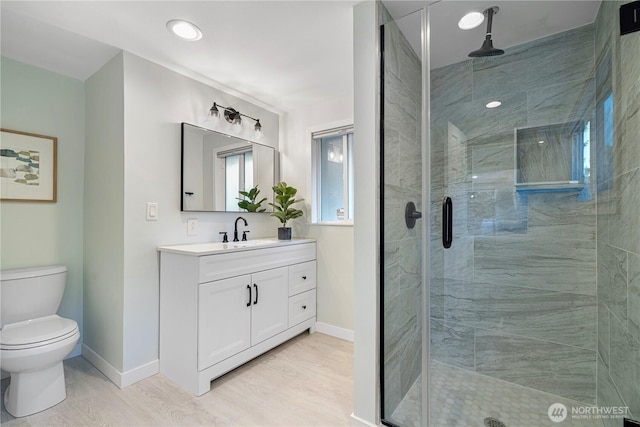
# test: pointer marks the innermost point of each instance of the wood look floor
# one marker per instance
(307, 381)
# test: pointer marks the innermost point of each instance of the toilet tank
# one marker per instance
(29, 293)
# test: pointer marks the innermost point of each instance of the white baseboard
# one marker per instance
(120, 379)
(102, 365)
(140, 373)
(334, 331)
(359, 422)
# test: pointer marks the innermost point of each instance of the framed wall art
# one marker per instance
(28, 167)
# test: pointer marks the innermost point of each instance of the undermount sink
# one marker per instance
(247, 243)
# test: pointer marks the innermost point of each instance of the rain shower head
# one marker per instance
(487, 48)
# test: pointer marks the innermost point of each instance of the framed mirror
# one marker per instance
(216, 167)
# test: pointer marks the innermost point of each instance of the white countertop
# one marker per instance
(200, 249)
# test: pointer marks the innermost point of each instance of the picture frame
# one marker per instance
(28, 167)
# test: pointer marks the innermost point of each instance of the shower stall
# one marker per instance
(510, 211)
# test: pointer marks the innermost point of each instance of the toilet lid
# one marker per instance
(36, 332)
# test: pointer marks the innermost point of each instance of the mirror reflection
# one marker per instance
(216, 168)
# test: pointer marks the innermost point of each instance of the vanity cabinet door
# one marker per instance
(270, 312)
(224, 319)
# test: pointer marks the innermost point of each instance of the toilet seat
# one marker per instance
(37, 332)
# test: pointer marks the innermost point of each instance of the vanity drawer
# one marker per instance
(302, 307)
(224, 265)
(302, 277)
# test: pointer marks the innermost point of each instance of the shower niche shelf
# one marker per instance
(552, 157)
(551, 186)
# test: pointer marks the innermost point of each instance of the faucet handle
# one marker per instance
(244, 235)
(225, 239)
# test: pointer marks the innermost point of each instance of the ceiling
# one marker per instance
(516, 22)
(286, 54)
(282, 55)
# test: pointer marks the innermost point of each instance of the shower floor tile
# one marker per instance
(464, 399)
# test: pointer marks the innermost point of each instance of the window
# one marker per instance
(333, 176)
(238, 168)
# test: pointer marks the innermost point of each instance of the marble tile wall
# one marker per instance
(402, 267)
(548, 161)
(618, 218)
(515, 297)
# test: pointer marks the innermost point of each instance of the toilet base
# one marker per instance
(35, 391)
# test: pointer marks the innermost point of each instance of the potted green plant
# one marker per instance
(285, 197)
(249, 203)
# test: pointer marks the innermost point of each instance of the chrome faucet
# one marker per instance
(235, 230)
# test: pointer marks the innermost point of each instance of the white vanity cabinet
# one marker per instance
(222, 305)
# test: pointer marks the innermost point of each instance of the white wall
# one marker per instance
(156, 101)
(39, 101)
(104, 213)
(367, 208)
(334, 243)
(134, 112)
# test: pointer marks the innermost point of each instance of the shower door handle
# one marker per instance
(447, 222)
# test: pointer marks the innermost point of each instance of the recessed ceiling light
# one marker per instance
(184, 29)
(493, 104)
(471, 20)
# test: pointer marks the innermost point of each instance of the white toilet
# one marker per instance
(34, 339)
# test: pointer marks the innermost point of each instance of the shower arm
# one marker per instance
(490, 13)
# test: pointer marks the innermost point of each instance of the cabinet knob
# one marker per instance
(304, 277)
(304, 307)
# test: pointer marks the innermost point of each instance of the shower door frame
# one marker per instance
(426, 208)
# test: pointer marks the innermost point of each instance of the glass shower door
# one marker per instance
(513, 306)
(402, 280)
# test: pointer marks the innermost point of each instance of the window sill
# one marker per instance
(334, 223)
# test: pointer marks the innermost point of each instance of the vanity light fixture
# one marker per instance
(232, 116)
(184, 29)
(493, 104)
(471, 20)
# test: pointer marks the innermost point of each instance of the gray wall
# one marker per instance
(515, 296)
(402, 289)
(618, 153)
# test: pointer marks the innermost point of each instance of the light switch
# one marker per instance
(152, 211)
(192, 226)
